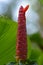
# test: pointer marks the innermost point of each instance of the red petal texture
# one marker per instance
(21, 45)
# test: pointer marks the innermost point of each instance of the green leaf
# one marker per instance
(35, 53)
(36, 38)
(40, 60)
(8, 30)
(29, 47)
(8, 33)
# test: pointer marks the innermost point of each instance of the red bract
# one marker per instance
(21, 46)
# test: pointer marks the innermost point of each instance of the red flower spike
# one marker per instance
(26, 8)
(21, 46)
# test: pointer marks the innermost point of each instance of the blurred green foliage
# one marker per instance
(40, 60)
(36, 38)
(35, 54)
(41, 2)
(8, 33)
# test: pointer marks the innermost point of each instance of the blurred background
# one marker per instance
(34, 16)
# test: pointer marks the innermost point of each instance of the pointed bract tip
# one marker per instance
(26, 8)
